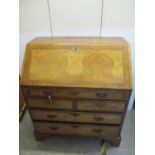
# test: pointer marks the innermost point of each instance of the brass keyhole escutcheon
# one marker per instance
(75, 49)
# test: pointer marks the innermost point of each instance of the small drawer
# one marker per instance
(101, 95)
(81, 117)
(101, 106)
(76, 129)
(45, 92)
(46, 103)
(78, 93)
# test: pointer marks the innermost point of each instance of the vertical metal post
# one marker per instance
(101, 23)
(50, 19)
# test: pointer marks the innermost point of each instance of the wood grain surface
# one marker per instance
(77, 129)
(77, 86)
(78, 105)
(80, 117)
(62, 62)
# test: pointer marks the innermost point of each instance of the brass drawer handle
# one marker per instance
(100, 104)
(97, 130)
(101, 94)
(75, 93)
(51, 116)
(75, 126)
(54, 128)
(99, 118)
(75, 114)
(50, 99)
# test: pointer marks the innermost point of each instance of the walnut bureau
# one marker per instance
(77, 86)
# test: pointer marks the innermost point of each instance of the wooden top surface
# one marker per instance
(77, 62)
(90, 41)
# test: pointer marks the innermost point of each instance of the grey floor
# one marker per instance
(58, 145)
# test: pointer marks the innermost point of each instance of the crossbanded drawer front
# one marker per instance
(78, 93)
(77, 129)
(100, 106)
(83, 117)
(46, 92)
(59, 104)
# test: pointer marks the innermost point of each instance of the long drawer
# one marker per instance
(81, 117)
(77, 129)
(79, 105)
(77, 93)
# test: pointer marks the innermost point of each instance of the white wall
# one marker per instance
(77, 18)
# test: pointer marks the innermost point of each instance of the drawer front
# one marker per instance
(77, 129)
(46, 92)
(81, 117)
(100, 106)
(102, 95)
(57, 104)
(78, 93)
(79, 105)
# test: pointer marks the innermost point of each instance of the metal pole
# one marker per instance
(50, 19)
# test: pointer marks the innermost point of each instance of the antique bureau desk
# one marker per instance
(77, 86)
